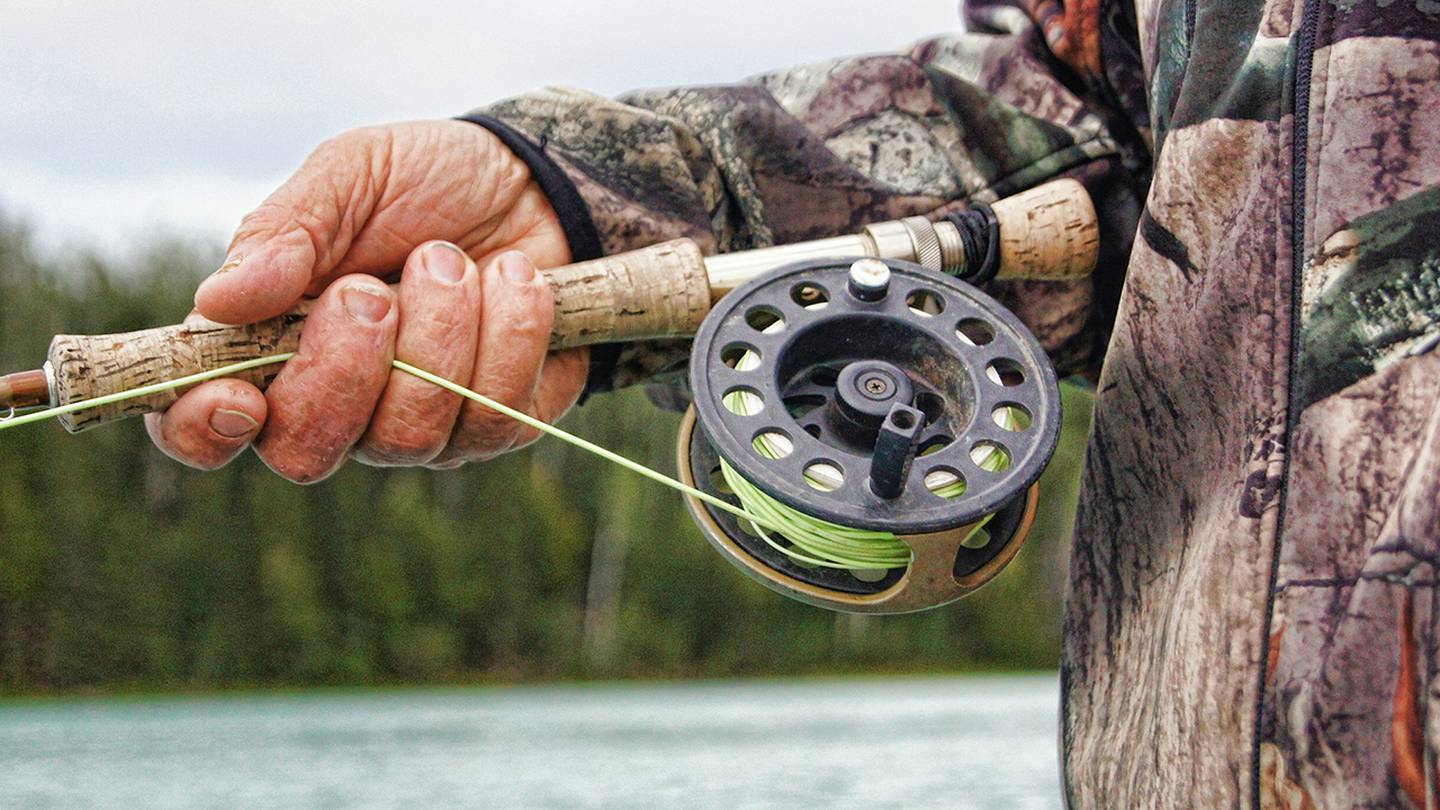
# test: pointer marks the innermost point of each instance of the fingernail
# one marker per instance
(444, 261)
(232, 424)
(517, 268)
(364, 303)
(231, 263)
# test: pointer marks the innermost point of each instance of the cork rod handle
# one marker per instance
(1048, 232)
(657, 291)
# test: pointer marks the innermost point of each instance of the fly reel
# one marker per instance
(895, 417)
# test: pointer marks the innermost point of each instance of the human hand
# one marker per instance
(471, 308)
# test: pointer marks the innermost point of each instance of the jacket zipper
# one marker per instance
(1299, 153)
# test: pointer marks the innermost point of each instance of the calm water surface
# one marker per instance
(935, 742)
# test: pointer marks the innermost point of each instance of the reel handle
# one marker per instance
(664, 290)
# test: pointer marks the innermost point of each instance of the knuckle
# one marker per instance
(412, 426)
(400, 446)
(296, 469)
(257, 221)
(275, 220)
(484, 434)
(371, 147)
(312, 224)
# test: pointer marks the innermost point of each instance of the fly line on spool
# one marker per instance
(814, 541)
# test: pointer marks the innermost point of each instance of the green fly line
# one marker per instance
(814, 542)
(519, 416)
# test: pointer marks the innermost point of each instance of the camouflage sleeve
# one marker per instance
(823, 149)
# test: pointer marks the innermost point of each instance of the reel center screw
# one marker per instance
(865, 392)
(877, 385)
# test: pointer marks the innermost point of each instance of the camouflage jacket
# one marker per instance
(1252, 617)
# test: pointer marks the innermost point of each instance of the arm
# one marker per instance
(822, 149)
(799, 154)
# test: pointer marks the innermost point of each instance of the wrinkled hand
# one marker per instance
(470, 308)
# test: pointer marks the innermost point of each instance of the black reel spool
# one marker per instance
(896, 382)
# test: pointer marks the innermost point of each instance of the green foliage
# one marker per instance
(119, 568)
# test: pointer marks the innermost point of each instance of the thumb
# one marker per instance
(295, 236)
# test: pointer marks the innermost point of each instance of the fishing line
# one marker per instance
(816, 542)
(15, 421)
(519, 416)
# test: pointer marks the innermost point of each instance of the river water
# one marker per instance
(955, 742)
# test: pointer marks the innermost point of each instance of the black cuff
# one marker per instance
(575, 221)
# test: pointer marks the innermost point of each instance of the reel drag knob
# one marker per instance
(892, 419)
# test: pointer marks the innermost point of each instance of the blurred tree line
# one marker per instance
(121, 569)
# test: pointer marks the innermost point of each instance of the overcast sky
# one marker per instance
(123, 118)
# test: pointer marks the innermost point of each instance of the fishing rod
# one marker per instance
(871, 425)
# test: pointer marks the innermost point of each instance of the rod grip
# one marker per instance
(657, 291)
(1048, 232)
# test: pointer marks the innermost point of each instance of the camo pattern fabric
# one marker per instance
(1251, 609)
(824, 149)
(1252, 617)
